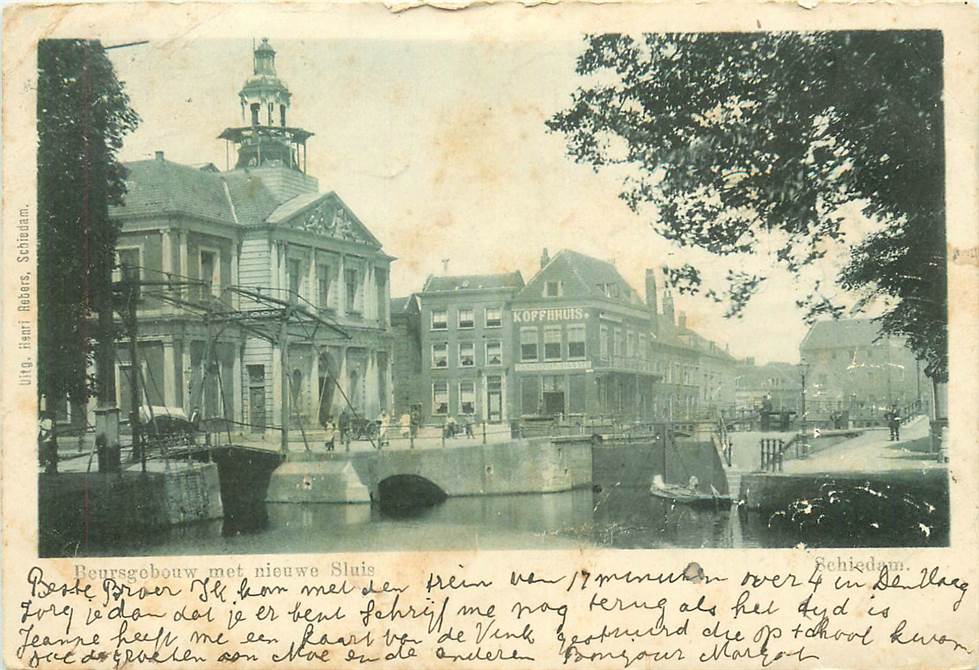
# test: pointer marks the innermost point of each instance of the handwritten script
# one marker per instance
(297, 615)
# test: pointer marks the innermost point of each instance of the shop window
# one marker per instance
(528, 344)
(466, 318)
(440, 398)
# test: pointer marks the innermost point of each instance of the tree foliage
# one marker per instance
(756, 141)
(83, 113)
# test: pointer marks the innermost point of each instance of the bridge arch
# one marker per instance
(405, 494)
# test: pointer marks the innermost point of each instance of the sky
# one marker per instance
(441, 149)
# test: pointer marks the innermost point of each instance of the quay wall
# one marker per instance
(535, 465)
(76, 507)
(774, 491)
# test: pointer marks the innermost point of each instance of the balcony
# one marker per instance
(632, 364)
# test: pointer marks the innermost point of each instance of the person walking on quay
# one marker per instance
(382, 428)
(343, 424)
(47, 443)
(331, 434)
(893, 417)
(405, 423)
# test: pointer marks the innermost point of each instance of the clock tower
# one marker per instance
(268, 147)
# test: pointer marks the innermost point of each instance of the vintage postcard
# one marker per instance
(613, 336)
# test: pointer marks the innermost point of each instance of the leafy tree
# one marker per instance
(83, 113)
(748, 143)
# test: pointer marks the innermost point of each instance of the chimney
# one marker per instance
(159, 155)
(652, 300)
(545, 258)
(669, 316)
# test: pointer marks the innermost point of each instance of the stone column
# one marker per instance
(169, 374)
(314, 385)
(339, 404)
(372, 404)
(341, 290)
(283, 266)
(187, 377)
(274, 264)
(235, 253)
(184, 264)
(312, 295)
(237, 411)
(275, 412)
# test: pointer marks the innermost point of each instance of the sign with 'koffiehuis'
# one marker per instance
(552, 314)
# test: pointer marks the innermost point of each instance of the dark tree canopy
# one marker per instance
(746, 140)
(83, 113)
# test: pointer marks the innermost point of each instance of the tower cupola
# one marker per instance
(265, 139)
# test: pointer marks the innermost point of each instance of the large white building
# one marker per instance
(264, 227)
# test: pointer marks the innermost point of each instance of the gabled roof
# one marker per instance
(160, 186)
(502, 280)
(582, 276)
(836, 333)
(404, 305)
(325, 214)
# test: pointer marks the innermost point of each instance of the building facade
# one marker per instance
(466, 346)
(850, 366)
(235, 243)
(581, 342)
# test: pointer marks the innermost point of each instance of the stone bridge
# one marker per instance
(536, 465)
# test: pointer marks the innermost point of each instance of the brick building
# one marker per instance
(263, 226)
(851, 366)
(465, 346)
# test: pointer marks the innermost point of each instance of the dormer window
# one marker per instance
(553, 289)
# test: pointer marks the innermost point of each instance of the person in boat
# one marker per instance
(692, 483)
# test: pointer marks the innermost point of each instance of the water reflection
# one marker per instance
(618, 517)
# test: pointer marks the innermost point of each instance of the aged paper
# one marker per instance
(335, 336)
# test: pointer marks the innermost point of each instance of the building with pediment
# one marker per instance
(260, 228)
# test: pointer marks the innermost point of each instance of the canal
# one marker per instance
(615, 518)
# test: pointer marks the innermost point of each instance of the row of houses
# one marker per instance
(575, 340)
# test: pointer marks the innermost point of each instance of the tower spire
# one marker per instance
(267, 140)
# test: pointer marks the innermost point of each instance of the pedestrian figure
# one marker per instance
(416, 420)
(893, 417)
(467, 422)
(405, 422)
(47, 442)
(450, 427)
(331, 434)
(382, 428)
(343, 423)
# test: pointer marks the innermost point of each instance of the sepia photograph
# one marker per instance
(632, 291)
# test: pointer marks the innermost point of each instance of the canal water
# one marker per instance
(616, 518)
